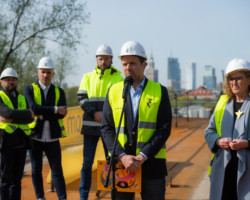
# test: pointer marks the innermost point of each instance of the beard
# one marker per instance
(11, 88)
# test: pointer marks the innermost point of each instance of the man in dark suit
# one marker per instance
(49, 105)
(145, 127)
(14, 129)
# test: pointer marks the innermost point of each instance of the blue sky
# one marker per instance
(206, 32)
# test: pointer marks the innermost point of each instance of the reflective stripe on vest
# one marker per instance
(218, 116)
(11, 127)
(148, 110)
(38, 100)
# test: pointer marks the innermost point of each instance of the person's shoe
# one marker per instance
(41, 199)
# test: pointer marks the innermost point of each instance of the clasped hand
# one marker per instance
(132, 163)
(62, 110)
(235, 144)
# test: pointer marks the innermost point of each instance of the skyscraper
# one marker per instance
(194, 76)
(209, 79)
(174, 74)
(151, 73)
(191, 77)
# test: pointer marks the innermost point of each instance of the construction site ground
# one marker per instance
(187, 160)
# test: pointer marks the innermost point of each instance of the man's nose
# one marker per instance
(129, 66)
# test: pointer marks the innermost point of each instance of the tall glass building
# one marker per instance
(190, 77)
(194, 76)
(209, 79)
(174, 73)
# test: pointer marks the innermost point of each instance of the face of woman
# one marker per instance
(239, 84)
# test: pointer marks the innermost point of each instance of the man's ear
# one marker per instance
(144, 64)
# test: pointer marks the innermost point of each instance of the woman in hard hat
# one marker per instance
(228, 136)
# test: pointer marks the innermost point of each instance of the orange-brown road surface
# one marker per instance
(187, 159)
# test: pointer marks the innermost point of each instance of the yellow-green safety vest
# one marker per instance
(38, 100)
(218, 116)
(148, 110)
(11, 127)
(96, 86)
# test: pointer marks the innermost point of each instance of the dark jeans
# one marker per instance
(89, 149)
(12, 166)
(151, 190)
(53, 153)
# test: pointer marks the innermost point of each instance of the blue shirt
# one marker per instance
(135, 97)
(135, 100)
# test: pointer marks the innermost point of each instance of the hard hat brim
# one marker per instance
(120, 57)
(8, 77)
(235, 71)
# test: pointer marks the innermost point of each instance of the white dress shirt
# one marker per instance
(46, 128)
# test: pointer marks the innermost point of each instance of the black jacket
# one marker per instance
(152, 168)
(46, 110)
(18, 138)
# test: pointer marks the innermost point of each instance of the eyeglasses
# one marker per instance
(237, 79)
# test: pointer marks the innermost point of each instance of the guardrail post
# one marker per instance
(176, 110)
(187, 105)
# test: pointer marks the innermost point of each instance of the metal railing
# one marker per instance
(178, 103)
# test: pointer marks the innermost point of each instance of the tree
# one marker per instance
(63, 63)
(71, 97)
(32, 23)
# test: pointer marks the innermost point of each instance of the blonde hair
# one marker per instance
(227, 87)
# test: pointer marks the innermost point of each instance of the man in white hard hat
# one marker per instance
(91, 95)
(49, 105)
(145, 127)
(14, 129)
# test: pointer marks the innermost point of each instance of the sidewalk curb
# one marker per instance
(201, 192)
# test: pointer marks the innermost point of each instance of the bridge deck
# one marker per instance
(187, 159)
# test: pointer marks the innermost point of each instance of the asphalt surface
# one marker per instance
(187, 159)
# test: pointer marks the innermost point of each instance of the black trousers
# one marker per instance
(12, 166)
(53, 153)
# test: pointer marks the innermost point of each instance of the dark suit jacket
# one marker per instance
(18, 138)
(152, 168)
(46, 110)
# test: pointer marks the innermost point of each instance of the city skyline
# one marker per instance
(205, 32)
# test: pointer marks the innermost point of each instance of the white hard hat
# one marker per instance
(237, 64)
(8, 72)
(45, 63)
(132, 48)
(104, 50)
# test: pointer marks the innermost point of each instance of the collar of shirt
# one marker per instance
(135, 97)
(45, 88)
